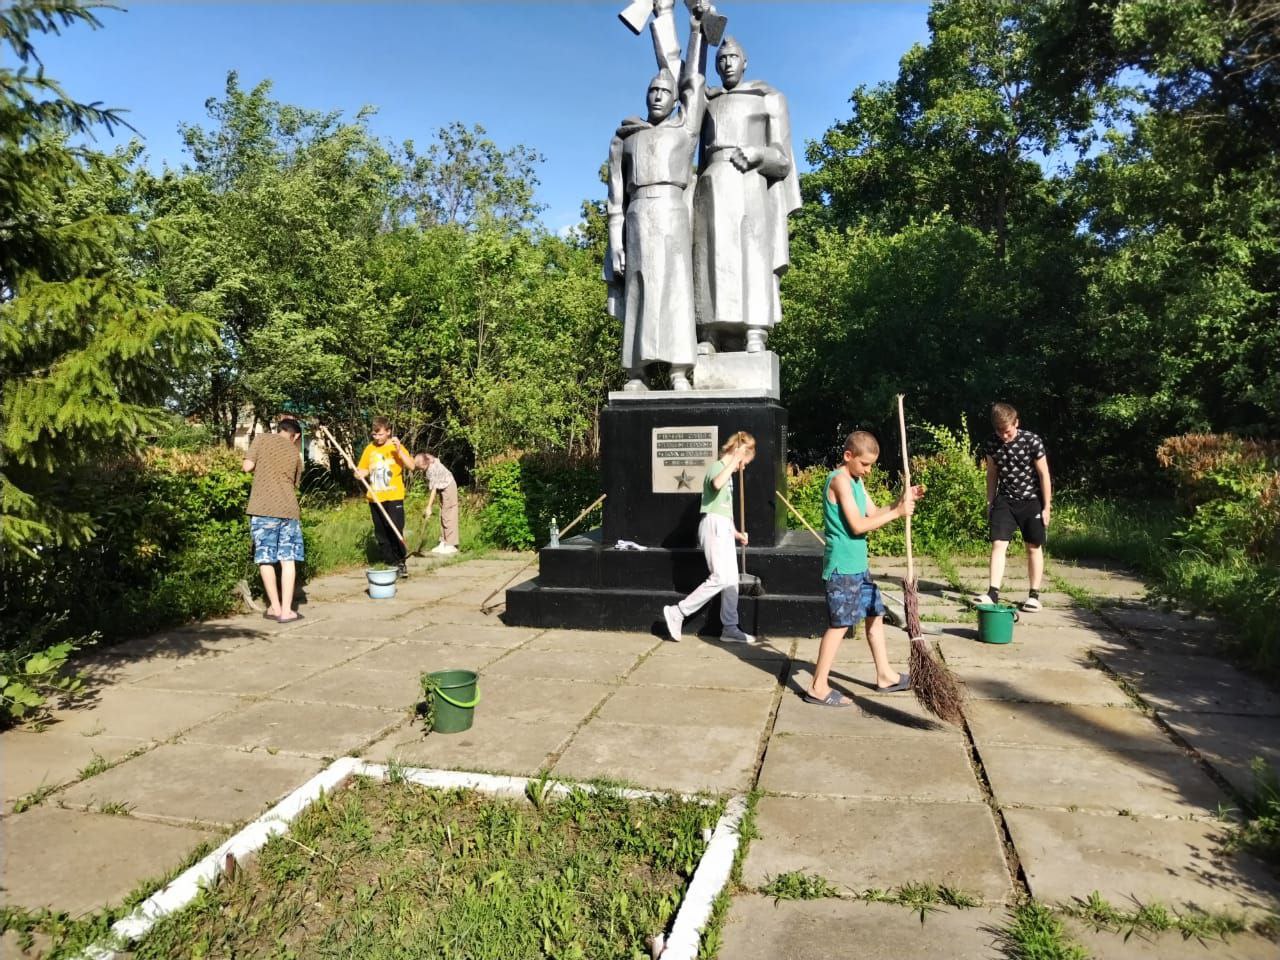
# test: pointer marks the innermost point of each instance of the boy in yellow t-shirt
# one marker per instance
(382, 465)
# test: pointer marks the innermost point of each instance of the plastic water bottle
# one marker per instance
(555, 533)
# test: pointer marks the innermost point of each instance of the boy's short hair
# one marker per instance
(1003, 416)
(289, 425)
(862, 444)
(381, 423)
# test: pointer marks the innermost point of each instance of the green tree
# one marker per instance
(87, 351)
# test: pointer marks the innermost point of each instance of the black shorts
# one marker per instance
(1012, 516)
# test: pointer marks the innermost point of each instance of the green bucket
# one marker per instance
(453, 699)
(995, 622)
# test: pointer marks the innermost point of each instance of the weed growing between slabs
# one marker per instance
(390, 869)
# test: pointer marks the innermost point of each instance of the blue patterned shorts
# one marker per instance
(852, 596)
(275, 539)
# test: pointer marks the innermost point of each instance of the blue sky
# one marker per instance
(554, 76)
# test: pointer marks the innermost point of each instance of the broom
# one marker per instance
(934, 687)
(748, 584)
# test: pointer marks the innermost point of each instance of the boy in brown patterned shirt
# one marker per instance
(274, 518)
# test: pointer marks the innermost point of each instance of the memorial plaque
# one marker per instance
(681, 456)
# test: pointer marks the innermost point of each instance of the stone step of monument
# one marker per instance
(793, 567)
(534, 604)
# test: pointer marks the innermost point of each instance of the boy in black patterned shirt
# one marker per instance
(1019, 495)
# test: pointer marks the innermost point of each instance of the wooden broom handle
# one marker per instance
(373, 498)
(906, 489)
(799, 516)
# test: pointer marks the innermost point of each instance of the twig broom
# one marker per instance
(932, 683)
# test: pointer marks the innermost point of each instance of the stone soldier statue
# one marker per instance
(746, 188)
(649, 264)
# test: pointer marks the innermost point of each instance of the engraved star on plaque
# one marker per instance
(684, 481)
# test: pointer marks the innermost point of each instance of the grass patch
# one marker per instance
(1154, 918)
(798, 885)
(382, 870)
(340, 536)
(1034, 932)
(922, 897)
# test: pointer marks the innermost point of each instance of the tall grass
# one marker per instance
(339, 535)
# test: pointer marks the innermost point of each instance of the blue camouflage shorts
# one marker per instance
(852, 596)
(276, 539)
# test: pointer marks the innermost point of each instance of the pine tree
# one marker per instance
(87, 350)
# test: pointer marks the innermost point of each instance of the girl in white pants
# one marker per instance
(716, 536)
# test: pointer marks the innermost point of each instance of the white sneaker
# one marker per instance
(446, 549)
(1031, 604)
(735, 634)
(675, 621)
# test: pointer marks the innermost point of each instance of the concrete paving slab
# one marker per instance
(13, 945)
(688, 707)
(708, 647)
(854, 649)
(196, 782)
(963, 648)
(861, 844)
(1230, 743)
(1176, 862)
(140, 713)
(725, 673)
(473, 635)
(1039, 685)
(87, 860)
(876, 718)
(927, 770)
(366, 626)
(311, 729)
(474, 593)
(416, 658)
(1151, 783)
(1123, 945)
(32, 760)
(994, 722)
(1143, 618)
(853, 680)
(540, 700)
(662, 757)
(492, 745)
(357, 686)
(189, 642)
(258, 669)
(419, 591)
(1073, 617)
(592, 641)
(447, 611)
(1194, 684)
(480, 569)
(565, 665)
(758, 928)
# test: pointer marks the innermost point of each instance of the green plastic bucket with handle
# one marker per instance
(995, 622)
(454, 697)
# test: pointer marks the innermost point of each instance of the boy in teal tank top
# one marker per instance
(848, 515)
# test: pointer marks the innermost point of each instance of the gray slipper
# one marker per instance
(833, 699)
(904, 683)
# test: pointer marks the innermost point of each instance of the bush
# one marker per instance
(951, 516)
(172, 540)
(525, 491)
(805, 490)
(1232, 486)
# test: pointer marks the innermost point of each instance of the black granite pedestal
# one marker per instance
(587, 583)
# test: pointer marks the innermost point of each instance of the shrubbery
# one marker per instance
(525, 491)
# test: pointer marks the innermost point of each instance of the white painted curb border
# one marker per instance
(708, 880)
